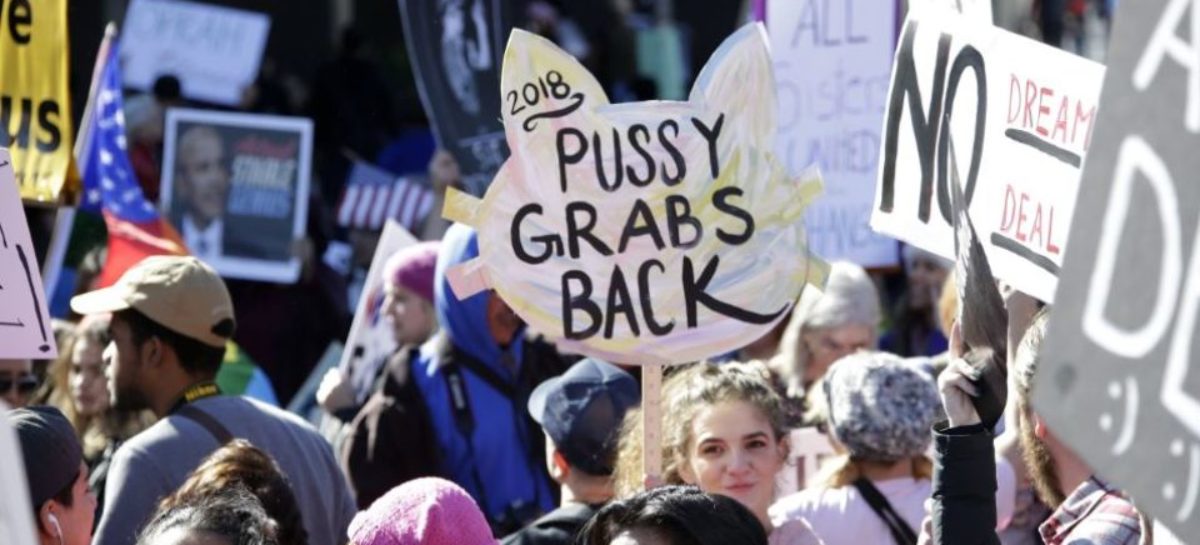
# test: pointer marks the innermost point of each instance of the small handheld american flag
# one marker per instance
(373, 195)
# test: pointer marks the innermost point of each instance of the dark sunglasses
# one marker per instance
(25, 384)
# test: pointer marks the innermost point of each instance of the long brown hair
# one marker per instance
(240, 463)
(685, 393)
(95, 432)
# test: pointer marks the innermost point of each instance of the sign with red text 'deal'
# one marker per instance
(1021, 115)
(648, 232)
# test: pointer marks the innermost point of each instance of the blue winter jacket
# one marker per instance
(498, 466)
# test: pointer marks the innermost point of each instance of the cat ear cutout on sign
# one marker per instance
(468, 278)
(462, 207)
(739, 80)
(982, 318)
(539, 83)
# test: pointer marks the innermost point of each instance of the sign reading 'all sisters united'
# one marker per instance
(832, 67)
(650, 232)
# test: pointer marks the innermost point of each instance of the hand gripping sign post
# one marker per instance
(1118, 379)
(647, 233)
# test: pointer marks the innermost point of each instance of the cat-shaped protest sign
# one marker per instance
(645, 233)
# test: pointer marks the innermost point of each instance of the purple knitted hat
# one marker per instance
(427, 511)
(412, 267)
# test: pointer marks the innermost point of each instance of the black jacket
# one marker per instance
(390, 440)
(558, 527)
(964, 486)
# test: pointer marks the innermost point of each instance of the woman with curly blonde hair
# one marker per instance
(723, 431)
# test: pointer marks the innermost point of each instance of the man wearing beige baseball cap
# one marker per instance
(171, 319)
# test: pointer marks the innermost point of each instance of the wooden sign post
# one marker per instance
(652, 376)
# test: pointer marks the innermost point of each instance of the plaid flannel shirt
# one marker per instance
(1094, 513)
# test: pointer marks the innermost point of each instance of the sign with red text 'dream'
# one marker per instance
(1020, 114)
(648, 232)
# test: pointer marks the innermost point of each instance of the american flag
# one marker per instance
(374, 195)
(135, 228)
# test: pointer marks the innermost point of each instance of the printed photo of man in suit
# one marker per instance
(202, 182)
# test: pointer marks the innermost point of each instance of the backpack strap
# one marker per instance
(391, 439)
(901, 531)
(464, 420)
(516, 391)
(206, 421)
(485, 373)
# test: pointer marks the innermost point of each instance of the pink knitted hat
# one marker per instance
(412, 267)
(427, 511)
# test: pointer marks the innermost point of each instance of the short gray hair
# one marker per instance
(849, 298)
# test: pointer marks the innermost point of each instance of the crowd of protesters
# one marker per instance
(477, 429)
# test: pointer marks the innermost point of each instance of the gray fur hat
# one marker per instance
(880, 407)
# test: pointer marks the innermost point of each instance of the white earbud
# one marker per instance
(54, 522)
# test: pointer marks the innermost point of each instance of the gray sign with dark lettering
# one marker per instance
(1117, 379)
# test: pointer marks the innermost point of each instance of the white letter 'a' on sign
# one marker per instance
(1165, 42)
(1135, 156)
(1185, 408)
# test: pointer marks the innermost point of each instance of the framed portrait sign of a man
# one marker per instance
(236, 188)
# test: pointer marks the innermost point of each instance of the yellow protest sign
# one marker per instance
(35, 107)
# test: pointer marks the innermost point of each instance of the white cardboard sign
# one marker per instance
(833, 63)
(1020, 115)
(643, 233)
(24, 316)
(214, 51)
(371, 339)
